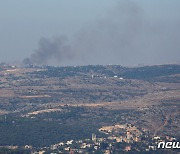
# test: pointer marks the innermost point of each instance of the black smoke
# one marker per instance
(50, 49)
(126, 35)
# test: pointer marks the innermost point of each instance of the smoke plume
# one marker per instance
(50, 49)
(127, 35)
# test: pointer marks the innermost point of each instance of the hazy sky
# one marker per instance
(82, 32)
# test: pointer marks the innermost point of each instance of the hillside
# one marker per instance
(43, 105)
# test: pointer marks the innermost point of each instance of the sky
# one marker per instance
(83, 32)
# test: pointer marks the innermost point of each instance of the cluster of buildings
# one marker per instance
(122, 133)
(119, 138)
(125, 134)
(116, 138)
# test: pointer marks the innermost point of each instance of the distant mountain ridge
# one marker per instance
(141, 73)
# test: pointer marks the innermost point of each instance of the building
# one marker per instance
(94, 137)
